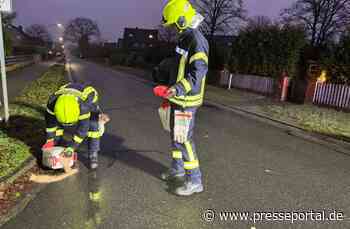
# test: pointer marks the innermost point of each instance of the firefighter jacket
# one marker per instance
(88, 101)
(192, 54)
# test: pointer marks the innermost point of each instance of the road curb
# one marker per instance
(332, 143)
(26, 165)
(21, 204)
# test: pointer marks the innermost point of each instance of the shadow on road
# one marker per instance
(113, 148)
(31, 131)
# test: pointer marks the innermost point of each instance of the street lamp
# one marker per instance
(60, 39)
(59, 25)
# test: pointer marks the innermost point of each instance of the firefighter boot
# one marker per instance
(172, 174)
(189, 188)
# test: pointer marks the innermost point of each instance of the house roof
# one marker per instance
(19, 31)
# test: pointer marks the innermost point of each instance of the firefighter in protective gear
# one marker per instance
(187, 93)
(74, 106)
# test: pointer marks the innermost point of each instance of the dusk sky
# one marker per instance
(112, 15)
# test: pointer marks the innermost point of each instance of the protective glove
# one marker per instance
(104, 118)
(68, 152)
(180, 137)
(165, 104)
(164, 114)
(160, 91)
(66, 158)
(48, 145)
(170, 93)
(181, 127)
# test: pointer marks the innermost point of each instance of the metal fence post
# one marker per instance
(230, 81)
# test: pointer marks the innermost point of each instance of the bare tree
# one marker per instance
(39, 32)
(259, 22)
(167, 34)
(220, 15)
(322, 19)
(81, 30)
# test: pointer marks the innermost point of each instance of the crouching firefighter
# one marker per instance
(186, 93)
(75, 106)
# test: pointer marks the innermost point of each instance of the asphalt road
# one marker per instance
(248, 166)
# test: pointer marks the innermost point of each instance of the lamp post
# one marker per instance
(58, 26)
(5, 6)
(59, 29)
(3, 74)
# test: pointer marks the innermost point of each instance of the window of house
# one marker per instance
(131, 35)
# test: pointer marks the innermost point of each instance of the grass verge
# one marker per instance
(24, 134)
(312, 118)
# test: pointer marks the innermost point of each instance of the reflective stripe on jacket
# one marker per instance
(192, 52)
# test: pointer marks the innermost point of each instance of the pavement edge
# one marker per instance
(332, 143)
(23, 202)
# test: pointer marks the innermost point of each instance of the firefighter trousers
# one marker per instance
(93, 138)
(184, 157)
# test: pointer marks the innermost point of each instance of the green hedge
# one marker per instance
(132, 59)
(8, 44)
(118, 58)
(25, 132)
(337, 60)
(267, 50)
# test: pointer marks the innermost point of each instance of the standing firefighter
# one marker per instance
(75, 106)
(186, 95)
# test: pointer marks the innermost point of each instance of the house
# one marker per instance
(136, 38)
(120, 43)
(22, 43)
(20, 38)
